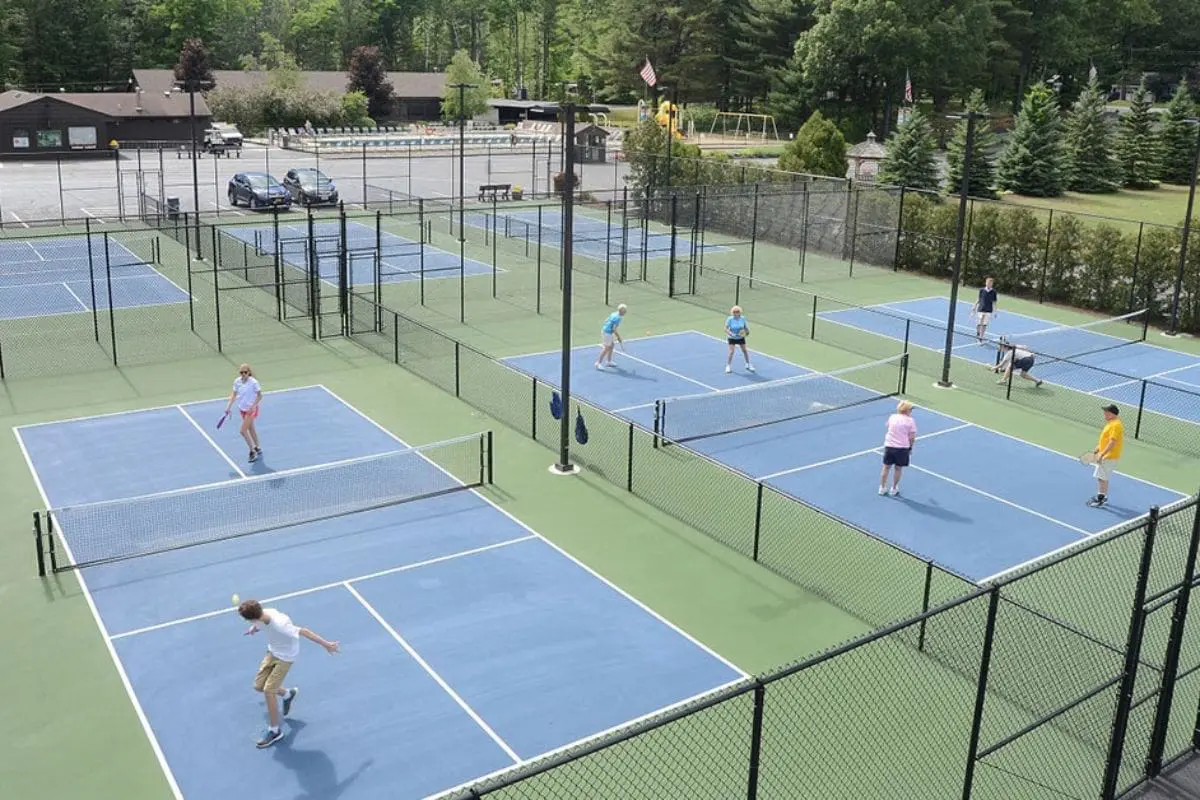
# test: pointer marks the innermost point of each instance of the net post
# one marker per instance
(629, 461)
(112, 316)
(37, 537)
(658, 421)
(1133, 647)
(760, 693)
(1170, 666)
(533, 411)
(1008, 388)
(1145, 325)
(925, 604)
(812, 333)
(491, 467)
(985, 661)
(907, 333)
(457, 370)
(1137, 426)
(50, 541)
(395, 338)
(903, 373)
(758, 505)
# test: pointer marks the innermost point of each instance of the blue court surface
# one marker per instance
(401, 259)
(469, 643)
(593, 237)
(1112, 374)
(45, 277)
(978, 502)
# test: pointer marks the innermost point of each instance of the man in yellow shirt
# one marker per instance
(1108, 451)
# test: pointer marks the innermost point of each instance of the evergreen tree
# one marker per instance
(1034, 160)
(908, 158)
(1089, 141)
(818, 149)
(1138, 145)
(983, 173)
(1179, 138)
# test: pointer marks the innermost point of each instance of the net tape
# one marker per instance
(120, 529)
(1066, 342)
(699, 416)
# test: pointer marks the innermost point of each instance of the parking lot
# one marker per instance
(106, 189)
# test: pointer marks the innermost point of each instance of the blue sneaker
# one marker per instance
(269, 738)
(287, 701)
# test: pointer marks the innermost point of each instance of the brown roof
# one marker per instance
(120, 105)
(407, 85)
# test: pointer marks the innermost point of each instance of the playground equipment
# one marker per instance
(668, 114)
(744, 125)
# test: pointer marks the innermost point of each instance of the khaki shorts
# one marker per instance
(271, 673)
(1105, 469)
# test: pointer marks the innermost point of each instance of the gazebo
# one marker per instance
(864, 159)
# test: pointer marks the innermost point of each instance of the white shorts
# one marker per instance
(1105, 469)
(985, 317)
(606, 338)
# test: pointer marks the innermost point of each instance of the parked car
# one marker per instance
(258, 190)
(310, 187)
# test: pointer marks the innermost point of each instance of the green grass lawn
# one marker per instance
(1165, 205)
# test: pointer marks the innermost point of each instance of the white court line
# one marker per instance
(859, 453)
(1152, 377)
(112, 650)
(999, 499)
(679, 375)
(495, 737)
(163, 407)
(558, 350)
(623, 409)
(36, 252)
(70, 291)
(18, 219)
(663, 620)
(209, 439)
(1055, 551)
(323, 587)
(93, 216)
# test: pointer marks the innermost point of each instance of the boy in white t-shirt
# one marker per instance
(283, 645)
(247, 394)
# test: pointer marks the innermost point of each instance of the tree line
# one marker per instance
(847, 58)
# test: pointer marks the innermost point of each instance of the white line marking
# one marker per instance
(859, 453)
(323, 587)
(1052, 553)
(581, 347)
(495, 737)
(999, 499)
(564, 553)
(18, 219)
(71, 292)
(209, 439)
(112, 650)
(679, 375)
(623, 409)
(93, 216)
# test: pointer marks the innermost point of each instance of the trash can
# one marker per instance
(172, 208)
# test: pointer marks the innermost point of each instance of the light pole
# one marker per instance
(1187, 229)
(191, 87)
(963, 196)
(462, 192)
(567, 110)
(670, 132)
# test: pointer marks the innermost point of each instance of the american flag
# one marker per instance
(908, 94)
(648, 74)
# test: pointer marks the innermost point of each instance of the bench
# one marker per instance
(494, 191)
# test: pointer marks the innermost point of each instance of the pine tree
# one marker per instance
(1034, 161)
(1139, 145)
(908, 159)
(1089, 142)
(983, 173)
(818, 149)
(1179, 138)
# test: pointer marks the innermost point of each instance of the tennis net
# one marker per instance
(699, 416)
(1066, 342)
(116, 530)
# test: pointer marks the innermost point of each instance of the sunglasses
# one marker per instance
(244, 372)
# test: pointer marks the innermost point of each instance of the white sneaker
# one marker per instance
(749, 367)
(599, 366)
(895, 491)
(882, 491)
(728, 369)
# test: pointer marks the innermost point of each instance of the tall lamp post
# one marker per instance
(567, 112)
(963, 196)
(1187, 229)
(462, 192)
(191, 86)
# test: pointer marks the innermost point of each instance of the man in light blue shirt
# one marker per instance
(736, 331)
(607, 333)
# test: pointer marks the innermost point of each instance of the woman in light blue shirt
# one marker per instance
(607, 332)
(736, 331)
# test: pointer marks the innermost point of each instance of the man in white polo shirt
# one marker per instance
(283, 645)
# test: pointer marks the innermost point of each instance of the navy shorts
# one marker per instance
(896, 456)
(738, 341)
(1023, 364)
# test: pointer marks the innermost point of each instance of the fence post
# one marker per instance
(753, 234)
(313, 276)
(112, 317)
(853, 230)
(1133, 648)
(87, 227)
(985, 661)
(804, 231)
(812, 333)
(674, 234)
(495, 236)
(364, 174)
(421, 253)
(1137, 260)
(1162, 716)
(37, 537)
(1046, 257)
(760, 692)
(925, 604)
(758, 504)
(1137, 426)
(624, 233)
(629, 462)
(899, 232)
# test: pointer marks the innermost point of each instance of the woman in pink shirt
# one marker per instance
(897, 446)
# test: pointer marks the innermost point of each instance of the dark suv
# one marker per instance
(258, 190)
(310, 187)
